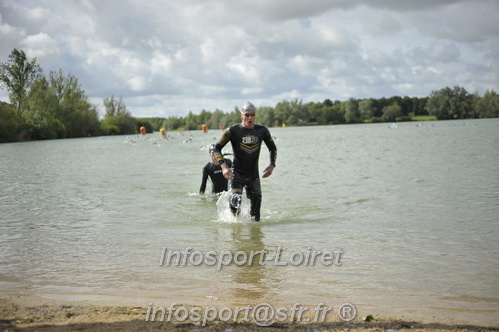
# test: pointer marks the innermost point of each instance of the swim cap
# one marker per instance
(248, 107)
(211, 148)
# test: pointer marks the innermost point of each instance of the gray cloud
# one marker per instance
(436, 53)
(168, 58)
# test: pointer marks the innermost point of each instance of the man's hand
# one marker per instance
(226, 172)
(268, 171)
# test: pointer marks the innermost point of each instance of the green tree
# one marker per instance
(392, 112)
(40, 113)
(191, 121)
(234, 116)
(352, 113)
(59, 108)
(265, 115)
(117, 120)
(299, 111)
(119, 125)
(449, 103)
(281, 112)
(17, 75)
(437, 106)
(396, 99)
(10, 123)
(366, 110)
(290, 112)
(156, 123)
(216, 120)
(335, 114)
(488, 105)
(203, 118)
(146, 123)
(115, 107)
(173, 123)
(317, 112)
(79, 116)
(419, 106)
(460, 103)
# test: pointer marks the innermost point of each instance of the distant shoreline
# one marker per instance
(416, 119)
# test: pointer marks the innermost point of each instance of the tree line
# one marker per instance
(444, 104)
(56, 106)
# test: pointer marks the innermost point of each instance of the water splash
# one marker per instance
(226, 215)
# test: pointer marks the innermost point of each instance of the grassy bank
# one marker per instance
(424, 118)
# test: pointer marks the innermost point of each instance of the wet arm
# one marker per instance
(203, 182)
(226, 171)
(219, 146)
(272, 148)
(273, 155)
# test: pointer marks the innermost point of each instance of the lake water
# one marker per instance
(411, 213)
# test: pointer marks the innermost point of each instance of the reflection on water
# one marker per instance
(251, 280)
(414, 209)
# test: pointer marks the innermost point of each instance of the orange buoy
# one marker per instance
(143, 130)
(204, 127)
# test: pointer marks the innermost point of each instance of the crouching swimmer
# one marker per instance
(213, 171)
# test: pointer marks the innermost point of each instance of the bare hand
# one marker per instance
(227, 173)
(268, 171)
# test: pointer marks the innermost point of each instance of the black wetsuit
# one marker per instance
(214, 172)
(246, 145)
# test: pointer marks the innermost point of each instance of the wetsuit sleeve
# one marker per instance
(221, 143)
(271, 146)
(203, 181)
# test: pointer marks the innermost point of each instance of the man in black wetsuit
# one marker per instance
(246, 140)
(213, 170)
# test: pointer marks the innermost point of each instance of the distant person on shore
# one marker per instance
(213, 170)
(246, 140)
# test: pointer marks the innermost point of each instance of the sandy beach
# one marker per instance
(30, 313)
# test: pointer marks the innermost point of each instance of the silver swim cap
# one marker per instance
(248, 107)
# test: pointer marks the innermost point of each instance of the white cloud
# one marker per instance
(5, 29)
(37, 14)
(245, 66)
(40, 45)
(137, 83)
(169, 58)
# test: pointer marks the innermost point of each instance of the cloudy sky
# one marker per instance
(166, 57)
